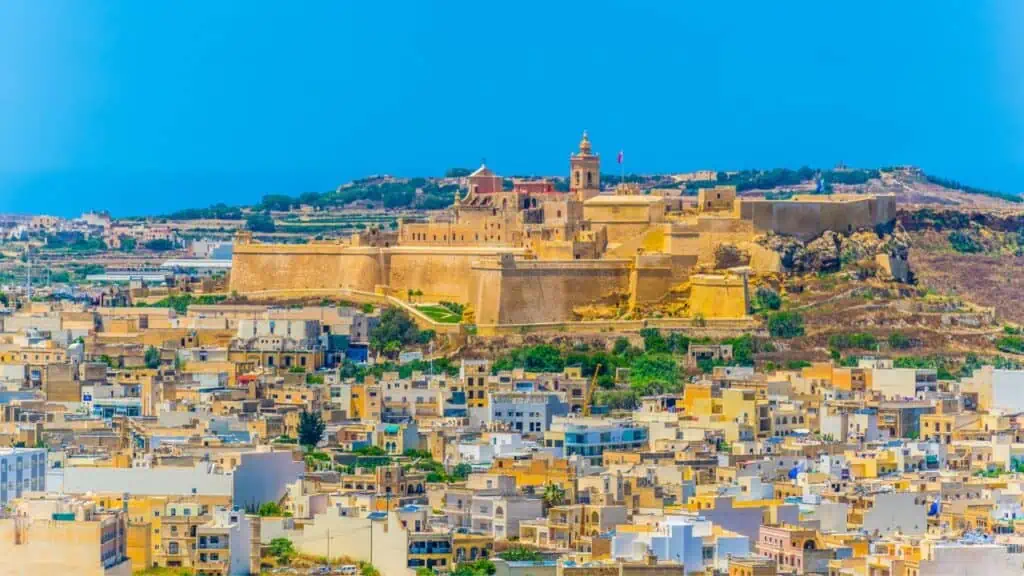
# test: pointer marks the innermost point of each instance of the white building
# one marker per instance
(226, 543)
(680, 539)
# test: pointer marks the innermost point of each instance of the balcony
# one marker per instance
(211, 566)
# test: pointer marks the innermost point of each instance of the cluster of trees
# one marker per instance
(260, 222)
(965, 243)
(782, 177)
(786, 324)
(75, 243)
(395, 331)
(653, 368)
(181, 302)
(442, 365)
(219, 211)
(858, 340)
(953, 184)
(413, 193)
(767, 299)
(159, 245)
(424, 461)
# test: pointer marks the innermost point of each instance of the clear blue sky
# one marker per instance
(147, 106)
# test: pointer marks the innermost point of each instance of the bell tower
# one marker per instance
(585, 172)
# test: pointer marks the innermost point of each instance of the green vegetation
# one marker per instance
(152, 358)
(767, 299)
(367, 569)
(782, 177)
(271, 509)
(314, 378)
(76, 243)
(521, 554)
(540, 358)
(857, 340)
(218, 211)
(160, 245)
(477, 568)
(964, 243)
(417, 193)
(617, 399)
(786, 324)
(311, 429)
(900, 341)
(282, 550)
(554, 495)
(440, 313)
(953, 184)
(654, 374)
(181, 302)
(259, 222)
(395, 331)
(1011, 343)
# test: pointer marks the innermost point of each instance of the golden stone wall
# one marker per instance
(718, 296)
(530, 291)
(259, 267)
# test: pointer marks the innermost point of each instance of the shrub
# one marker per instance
(786, 324)
(768, 299)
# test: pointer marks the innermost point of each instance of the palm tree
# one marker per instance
(554, 495)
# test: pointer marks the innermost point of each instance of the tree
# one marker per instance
(768, 299)
(620, 347)
(311, 429)
(160, 245)
(283, 550)
(786, 324)
(259, 222)
(272, 509)
(554, 495)
(654, 374)
(618, 399)
(424, 572)
(395, 330)
(653, 341)
(127, 243)
(152, 357)
(461, 471)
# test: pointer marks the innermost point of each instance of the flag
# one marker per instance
(620, 156)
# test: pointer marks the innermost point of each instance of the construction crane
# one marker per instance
(590, 391)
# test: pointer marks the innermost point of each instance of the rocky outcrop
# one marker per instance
(730, 256)
(832, 251)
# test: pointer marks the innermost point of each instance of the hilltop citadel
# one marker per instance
(532, 254)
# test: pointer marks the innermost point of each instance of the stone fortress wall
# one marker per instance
(532, 255)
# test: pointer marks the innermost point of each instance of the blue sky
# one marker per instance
(145, 107)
